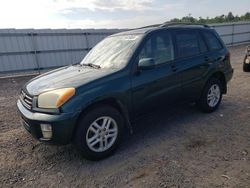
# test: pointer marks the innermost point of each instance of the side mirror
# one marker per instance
(146, 63)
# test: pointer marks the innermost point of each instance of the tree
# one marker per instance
(201, 20)
(218, 19)
(247, 16)
(230, 16)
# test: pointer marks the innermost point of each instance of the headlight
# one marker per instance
(55, 98)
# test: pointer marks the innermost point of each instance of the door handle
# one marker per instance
(174, 68)
(206, 64)
(207, 59)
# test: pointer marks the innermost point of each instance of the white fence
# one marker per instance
(29, 50)
(36, 50)
(234, 33)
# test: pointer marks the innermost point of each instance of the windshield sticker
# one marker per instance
(130, 37)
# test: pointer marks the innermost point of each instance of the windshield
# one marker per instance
(112, 52)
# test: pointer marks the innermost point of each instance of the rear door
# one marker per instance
(152, 88)
(192, 60)
(217, 52)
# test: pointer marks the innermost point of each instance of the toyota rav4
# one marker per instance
(125, 75)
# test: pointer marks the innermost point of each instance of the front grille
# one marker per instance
(26, 100)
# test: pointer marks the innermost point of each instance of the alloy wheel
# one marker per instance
(214, 95)
(102, 134)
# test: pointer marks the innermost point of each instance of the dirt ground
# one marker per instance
(179, 147)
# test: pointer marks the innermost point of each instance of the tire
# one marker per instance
(88, 133)
(246, 67)
(214, 88)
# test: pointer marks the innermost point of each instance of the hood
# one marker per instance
(71, 76)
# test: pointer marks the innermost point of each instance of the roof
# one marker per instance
(136, 31)
(150, 28)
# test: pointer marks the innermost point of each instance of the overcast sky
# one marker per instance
(108, 13)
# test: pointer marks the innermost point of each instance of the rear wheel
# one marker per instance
(211, 96)
(99, 132)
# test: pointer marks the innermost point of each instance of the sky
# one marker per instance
(108, 13)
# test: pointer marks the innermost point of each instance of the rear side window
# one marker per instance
(212, 41)
(203, 47)
(187, 44)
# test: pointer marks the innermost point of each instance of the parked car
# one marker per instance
(246, 63)
(125, 75)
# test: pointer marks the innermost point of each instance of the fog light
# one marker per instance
(247, 61)
(46, 131)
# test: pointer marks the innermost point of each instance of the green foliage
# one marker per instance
(218, 19)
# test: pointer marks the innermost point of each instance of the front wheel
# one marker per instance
(211, 96)
(99, 132)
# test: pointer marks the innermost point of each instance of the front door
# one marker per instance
(152, 87)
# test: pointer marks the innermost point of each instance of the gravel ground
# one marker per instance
(181, 147)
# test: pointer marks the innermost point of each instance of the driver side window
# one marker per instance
(146, 51)
(158, 47)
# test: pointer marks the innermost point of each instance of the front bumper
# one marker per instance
(63, 124)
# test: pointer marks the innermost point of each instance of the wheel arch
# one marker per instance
(219, 75)
(110, 101)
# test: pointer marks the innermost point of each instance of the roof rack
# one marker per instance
(169, 24)
(149, 26)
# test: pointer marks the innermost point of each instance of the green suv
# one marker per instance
(122, 77)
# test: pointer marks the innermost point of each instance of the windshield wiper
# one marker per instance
(91, 65)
